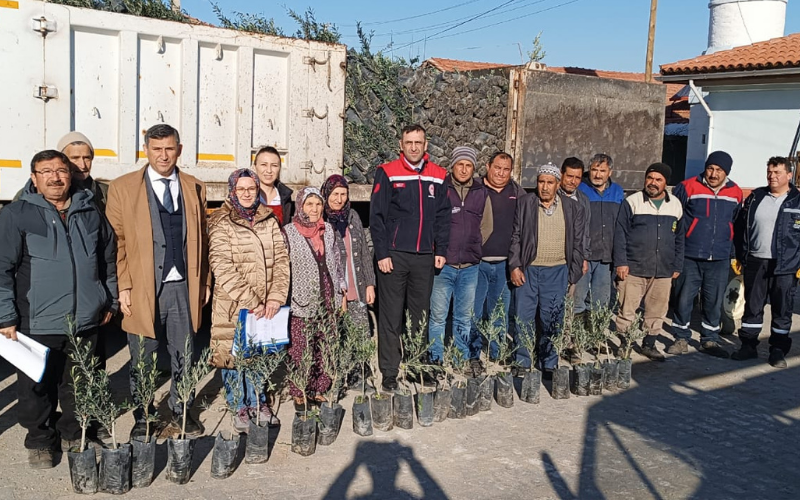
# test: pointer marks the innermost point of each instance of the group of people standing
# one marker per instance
(144, 247)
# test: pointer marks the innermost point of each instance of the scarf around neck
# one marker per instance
(312, 231)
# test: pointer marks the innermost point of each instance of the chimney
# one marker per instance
(733, 23)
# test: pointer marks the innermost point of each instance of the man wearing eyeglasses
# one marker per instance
(158, 215)
(57, 272)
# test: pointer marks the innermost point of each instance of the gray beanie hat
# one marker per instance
(73, 137)
(464, 153)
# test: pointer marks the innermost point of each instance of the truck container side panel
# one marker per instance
(22, 124)
(160, 65)
(216, 104)
(95, 99)
(270, 99)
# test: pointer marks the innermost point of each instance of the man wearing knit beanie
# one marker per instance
(546, 256)
(470, 227)
(80, 152)
(648, 253)
(710, 204)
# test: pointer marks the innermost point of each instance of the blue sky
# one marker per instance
(597, 34)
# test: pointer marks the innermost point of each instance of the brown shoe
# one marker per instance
(680, 346)
(41, 458)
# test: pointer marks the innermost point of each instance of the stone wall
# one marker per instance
(455, 108)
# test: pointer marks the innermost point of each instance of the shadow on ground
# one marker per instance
(700, 432)
(383, 461)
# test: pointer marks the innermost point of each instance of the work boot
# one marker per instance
(193, 427)
(41, 458)
(241, 421)
(267, 415)
(680, 346)
(714, 349)
(140, 430)
(389, 384)
(653, 353)
(776, 357)
(746, 351)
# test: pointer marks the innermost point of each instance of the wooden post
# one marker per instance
(651, 41)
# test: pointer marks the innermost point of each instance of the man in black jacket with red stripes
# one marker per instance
(410, 225)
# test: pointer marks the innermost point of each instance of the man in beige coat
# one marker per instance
(158, 214)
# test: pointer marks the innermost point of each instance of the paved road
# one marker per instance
(693, 427)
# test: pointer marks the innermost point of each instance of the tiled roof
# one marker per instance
(455, 65)
(783, 52)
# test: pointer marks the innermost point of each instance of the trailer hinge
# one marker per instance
(43, 26)
(45, 92)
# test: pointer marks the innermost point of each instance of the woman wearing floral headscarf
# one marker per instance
(359, 273)
(317, 281)
(251, 267)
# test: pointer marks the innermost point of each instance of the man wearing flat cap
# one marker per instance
(546, 256)
(710, 204)
(470, 227)
(648, 253)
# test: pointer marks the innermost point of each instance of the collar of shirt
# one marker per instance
(417, 167)
(549, 210)
(573, 195)
(158, 186)
(717, 190)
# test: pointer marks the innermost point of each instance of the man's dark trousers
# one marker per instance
(36, 408)
(540, 300)
(760, 282)
(408, 286)
(710, 278)
(173, 325)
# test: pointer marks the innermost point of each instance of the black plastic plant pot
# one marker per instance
(561, 383)
(611, 374)
(458, 401)
(473, 394)
(426, 408)
(362, 417)
(624, 379)
(115, 470)
(179, 460)
(223, 458)
(304, 434)
(144, 461)
(485, 393)
(531, 383)
(382, 417)
(596, 380)
(441, 405)
(330, 421)
(580, 379)
(83, 471)
(257, 449)
(404, 410)
(504, 390)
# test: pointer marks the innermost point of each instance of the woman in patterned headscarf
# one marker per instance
(251, 267)
(359, 273)
(318, 286)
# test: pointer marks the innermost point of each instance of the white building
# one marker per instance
(745, 90)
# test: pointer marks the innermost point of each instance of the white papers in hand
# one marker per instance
(269, 333)
(26, 354)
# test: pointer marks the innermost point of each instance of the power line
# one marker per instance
(377, 23)
(433, 37)
(447, 23)
(506, 21)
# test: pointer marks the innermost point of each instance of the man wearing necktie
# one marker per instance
(158, 214)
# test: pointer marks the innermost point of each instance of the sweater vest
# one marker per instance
(172, 225)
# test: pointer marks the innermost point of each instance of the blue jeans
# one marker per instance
(540, 298)
(247, 397)
(594, 287)
(459, 285)
(709, 277)
(492, 288)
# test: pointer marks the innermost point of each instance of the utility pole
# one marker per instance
(651, 41)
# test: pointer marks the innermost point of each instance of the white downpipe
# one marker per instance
(703, 102)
